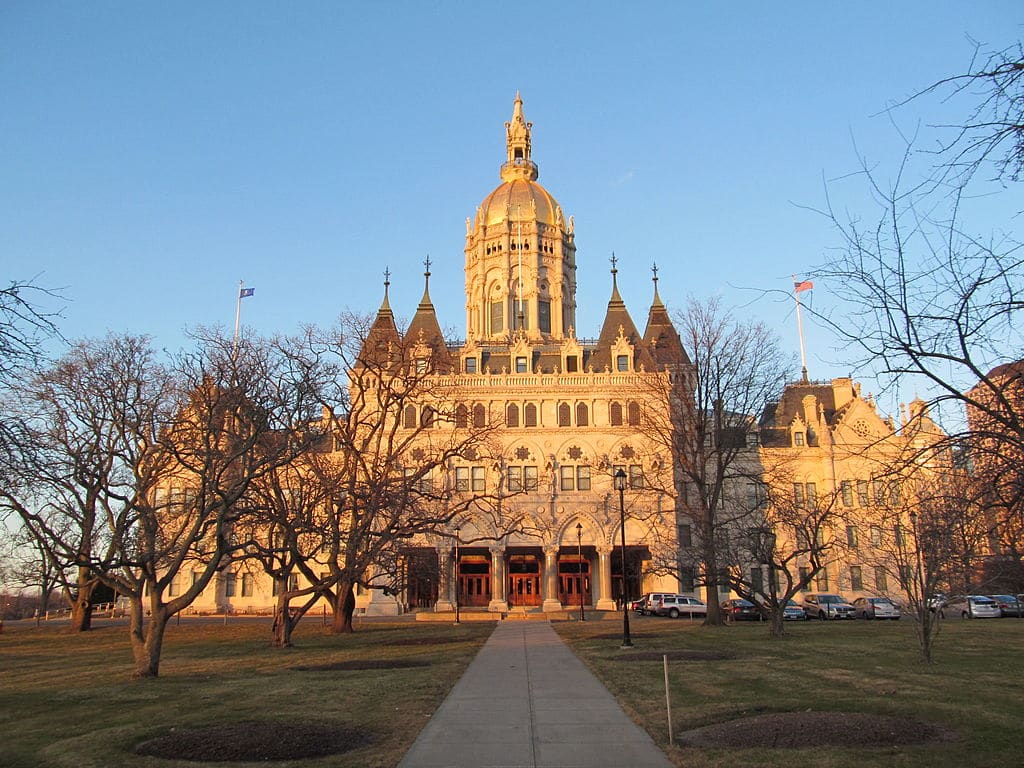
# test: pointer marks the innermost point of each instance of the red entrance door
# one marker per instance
(523, 589)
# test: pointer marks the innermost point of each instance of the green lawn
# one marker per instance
(975, 687)
(68, 700)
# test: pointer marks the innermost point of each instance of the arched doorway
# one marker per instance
(573, 578)
(474, 580)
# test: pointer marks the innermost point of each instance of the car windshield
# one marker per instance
(830, 599)
(982, 601)
(880, 601)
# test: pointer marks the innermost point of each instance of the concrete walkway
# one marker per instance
(527, 701)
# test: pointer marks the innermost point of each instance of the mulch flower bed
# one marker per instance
(344, 666)
(254, 742)
(795, 730)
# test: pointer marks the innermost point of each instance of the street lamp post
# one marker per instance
(579, 553)
(620, 486)
(458, 582)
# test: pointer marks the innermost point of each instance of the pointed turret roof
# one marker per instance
(383, 337)
(661, 335)
(425, 329)
(617, 320)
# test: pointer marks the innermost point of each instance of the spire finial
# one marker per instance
(385, 306)
(518, 164)
(426, 263)
(654, 272)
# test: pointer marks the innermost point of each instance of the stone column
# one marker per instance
(445, 589)
(605, 602)
(551, 601)
(498, 602)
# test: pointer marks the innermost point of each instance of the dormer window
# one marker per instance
(421, 365)
(572, 364)
(622, 362)
(798, 439)
(521, 365)
(470, 365)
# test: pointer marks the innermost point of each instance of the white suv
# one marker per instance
(675, 606)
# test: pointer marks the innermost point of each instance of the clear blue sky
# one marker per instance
(152, 155)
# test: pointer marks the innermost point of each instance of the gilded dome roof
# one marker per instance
(519, 200)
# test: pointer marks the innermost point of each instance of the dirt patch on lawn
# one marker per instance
(794, 730)
(426, 640)
(254, 742)
(354, 664)
(692, 655)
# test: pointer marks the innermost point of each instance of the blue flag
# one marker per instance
(245, 292)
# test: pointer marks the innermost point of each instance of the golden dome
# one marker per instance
(519, 200)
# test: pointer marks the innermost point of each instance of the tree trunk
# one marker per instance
(344, 608)
(147, 637)
(284, 623)
(714, 616)
(778, 628)
(81, 604)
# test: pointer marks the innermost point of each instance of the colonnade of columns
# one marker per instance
(600, 587)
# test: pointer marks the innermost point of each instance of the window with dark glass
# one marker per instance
(479, 415)
(615, 414)
(582, 415)
(572, 364)
(530, 415)
(622, 362)
(633, 414)
(409, 417)
(497, 317)
(470, 365)
(544, 316)
(461, 416)
(564, 415)
(512, 415)
(521, 365)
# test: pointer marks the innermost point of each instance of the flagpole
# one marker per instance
(238, 310)
(800, 329)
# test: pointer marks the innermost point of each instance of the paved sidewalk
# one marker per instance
(526, 701)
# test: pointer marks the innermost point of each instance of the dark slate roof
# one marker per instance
(661, 336)
(615, 318)
(424, 327)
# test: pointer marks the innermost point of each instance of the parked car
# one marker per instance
(824, 605)
(650, 601)
(971, 607)
(738, 609)
(675, 606)
(876, 608)
(1009, 605)
(793, 612)
(634, 605)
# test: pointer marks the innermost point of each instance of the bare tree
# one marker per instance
(787, 543)
(736, 369)
(396, 426)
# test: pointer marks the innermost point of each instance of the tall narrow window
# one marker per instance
(564, 415)
(847, 487)
(568, 477)
(462, 478)
(427, 416)
(521, 365)
(229, 584)
(497, 317)
(544, 316)
(633, 414)
(636, 476)
(881, 579)
(409, 417)
(461, 416)
(572, 364)
(856, 578)
(479, 415)
(530, 415)
(512, 415)
(685, 533)
(862, 493)
(851, 536)
(615, 414)
(582, 478)
(479, 479)
(582, 415)
(470, 365)
(798, 494)
(622, 362)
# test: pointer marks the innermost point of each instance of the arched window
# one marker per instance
(461, 416)
(633, 414)
(615, 414)
(409, 417)
(530, 415)
(564, 415)
(512, 415)
(427, 416)
(582, 415)
(479, 416)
